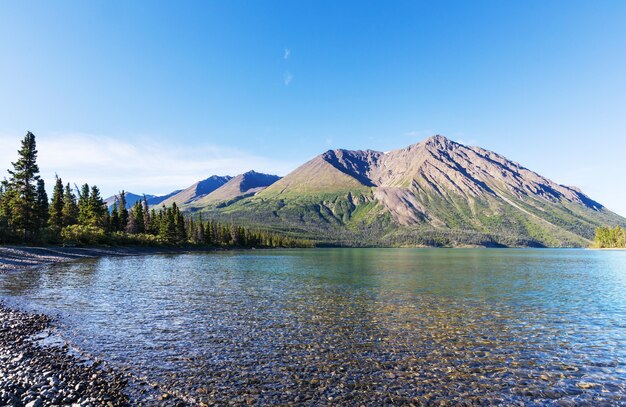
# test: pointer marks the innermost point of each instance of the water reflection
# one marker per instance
(351, 326)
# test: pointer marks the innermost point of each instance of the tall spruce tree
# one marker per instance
(139, 217)
(179, 221)
(42, 205)
(167, 224)
(115, 217)
(56, 208)
(123, 210)
(84, 216)
(70, 208)
(96, 208)
(21, 191)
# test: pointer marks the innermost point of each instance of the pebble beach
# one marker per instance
(35, 371)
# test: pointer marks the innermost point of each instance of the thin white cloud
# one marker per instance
(287, 78)
(140, 167)
(420, 133)
(286, 54)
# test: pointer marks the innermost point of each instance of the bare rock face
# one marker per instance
(438, 166)
(357, 164)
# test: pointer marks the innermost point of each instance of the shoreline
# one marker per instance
(32, 374)
(37, 371)
(15, 258)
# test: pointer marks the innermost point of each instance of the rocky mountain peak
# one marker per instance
(440, 143)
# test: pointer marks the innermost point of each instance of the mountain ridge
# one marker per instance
(197, 190)
(237, 187)
(436, 186)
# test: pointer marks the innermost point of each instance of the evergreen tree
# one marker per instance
(56, 208)
(84, 215)
(167, 225)
(190, 228)
(123, 210)
(208, 233)
(115, 218)
(70, 207)
(96, 208)
(139, 217)
(20, 190)
(43, 206)
(200, 231)
(106, 219)
(179, 224)
(153, 223)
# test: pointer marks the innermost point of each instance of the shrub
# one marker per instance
(139, 239)
(83, 235)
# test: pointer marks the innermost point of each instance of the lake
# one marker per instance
(348, 326)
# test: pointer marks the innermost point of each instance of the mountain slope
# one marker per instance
(156, 200)
(433, 192)
(318, 175)
(196, 191)
(242, 185)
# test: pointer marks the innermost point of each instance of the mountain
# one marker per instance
(212, 190)
(238, 187)
(131, 199)
(436, 192)
(156, 200)
(196, 191)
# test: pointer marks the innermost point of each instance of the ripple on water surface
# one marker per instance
(351, 325)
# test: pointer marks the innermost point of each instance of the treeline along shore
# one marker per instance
(79, 216)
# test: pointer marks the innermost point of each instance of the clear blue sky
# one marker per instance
(193, 88)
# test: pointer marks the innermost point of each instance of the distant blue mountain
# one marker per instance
(131, 199)
(180, 196)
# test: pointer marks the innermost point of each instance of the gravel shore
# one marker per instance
(18, 257)
(32, 374)
(36, 373)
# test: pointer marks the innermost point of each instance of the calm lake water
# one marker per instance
(347, 326)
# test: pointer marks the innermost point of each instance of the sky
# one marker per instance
(151, 96)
